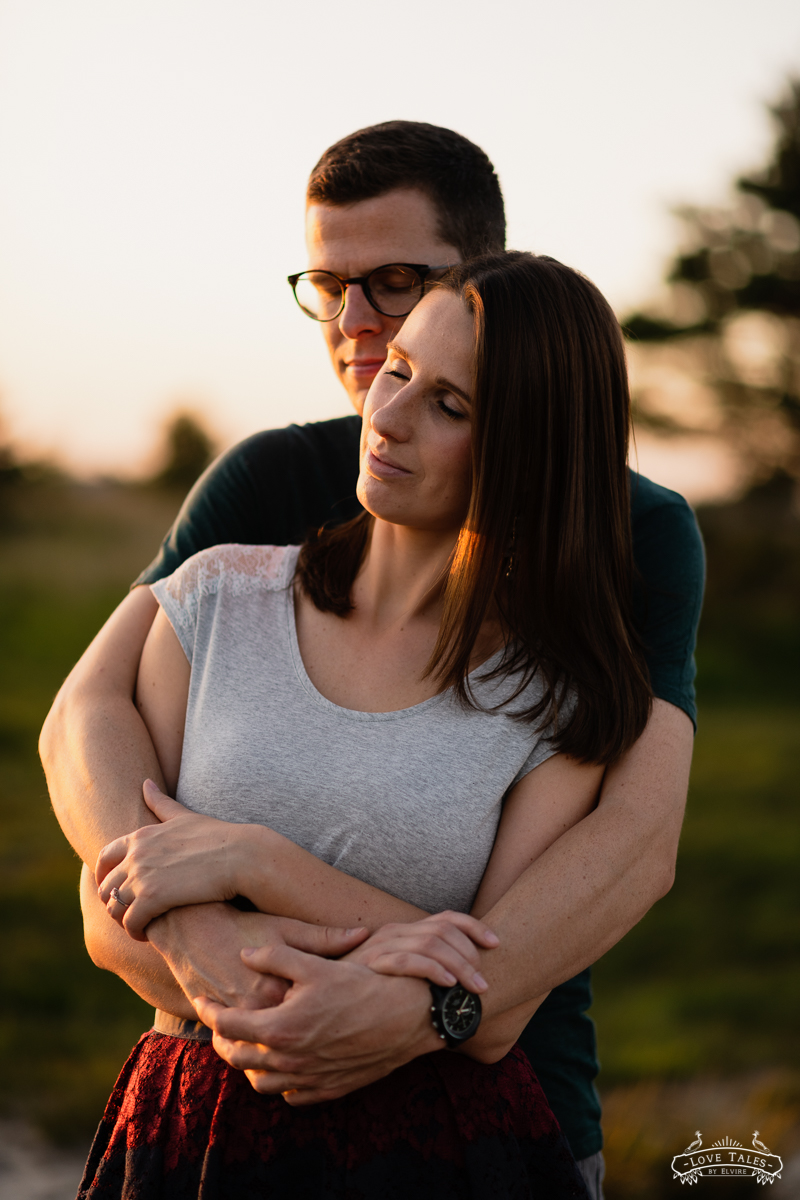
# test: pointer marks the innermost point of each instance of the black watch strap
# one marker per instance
(455, 1013)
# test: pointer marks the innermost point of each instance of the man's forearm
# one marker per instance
(97, 752)
(95, 748)
(138, 963)
(599, 879)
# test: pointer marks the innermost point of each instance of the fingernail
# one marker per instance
(479, 981)
(492, 938)
(250, 950)
(448, 978)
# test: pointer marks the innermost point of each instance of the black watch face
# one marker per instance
(460, 1012)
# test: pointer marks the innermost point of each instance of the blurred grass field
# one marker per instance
(696, 1007)
(67, 555)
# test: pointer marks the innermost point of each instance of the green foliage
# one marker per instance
(738, 261)
(709, 981)
(746, 257)
(751, 621)
(65, 1027)
(779, 184)
(188, 450)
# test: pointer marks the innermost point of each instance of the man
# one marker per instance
(421, 197)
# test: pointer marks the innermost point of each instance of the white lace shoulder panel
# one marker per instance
(241, 569)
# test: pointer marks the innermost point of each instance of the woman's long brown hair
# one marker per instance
(546, 543)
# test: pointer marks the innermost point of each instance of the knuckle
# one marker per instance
(261, 1081)
(283, 1063)
(242, 1057)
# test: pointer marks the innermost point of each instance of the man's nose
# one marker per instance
(358, 316)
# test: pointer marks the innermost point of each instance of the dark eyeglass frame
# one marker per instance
(422, 269)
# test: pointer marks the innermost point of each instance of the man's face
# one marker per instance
(351, 240)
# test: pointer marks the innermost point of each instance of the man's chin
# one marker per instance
(357, 385)
(356, 395)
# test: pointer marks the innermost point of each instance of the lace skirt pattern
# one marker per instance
(183, 1125)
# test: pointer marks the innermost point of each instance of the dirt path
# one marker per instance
(31, 1169)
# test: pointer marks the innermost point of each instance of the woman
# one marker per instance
(392, 721)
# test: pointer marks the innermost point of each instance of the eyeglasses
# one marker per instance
(392, 290)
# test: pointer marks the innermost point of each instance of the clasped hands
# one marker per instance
(340, 1024)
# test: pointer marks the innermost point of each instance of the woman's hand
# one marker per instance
(442, 948)
(186, 859)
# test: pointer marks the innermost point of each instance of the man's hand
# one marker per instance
(202, 946)
(339, 1027)
(443, 948)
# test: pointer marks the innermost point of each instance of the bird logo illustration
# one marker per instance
(726, 1157)
(697, 1143)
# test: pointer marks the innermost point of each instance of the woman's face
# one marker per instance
(415, 439)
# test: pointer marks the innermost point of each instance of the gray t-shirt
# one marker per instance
(408, 801)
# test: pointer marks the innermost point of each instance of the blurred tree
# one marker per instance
(188, 450)
(10, 475)
(731, 316)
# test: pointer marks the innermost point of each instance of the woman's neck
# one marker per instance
(402, 575)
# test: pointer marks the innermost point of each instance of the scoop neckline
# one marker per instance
(354, 714)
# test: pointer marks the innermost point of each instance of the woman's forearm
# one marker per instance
(281, 878)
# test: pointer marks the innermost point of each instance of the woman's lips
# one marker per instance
(381, 468)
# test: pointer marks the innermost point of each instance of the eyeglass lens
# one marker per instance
(392, 290)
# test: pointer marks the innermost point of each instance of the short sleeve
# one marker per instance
(270, 489)
(220, 509)
(545, 745)
(179, 603)
(240, 569)
(543, 750)
(670, 562)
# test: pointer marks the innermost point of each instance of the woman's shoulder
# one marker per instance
(236, 568)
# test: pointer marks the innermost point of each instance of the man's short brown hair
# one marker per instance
(454, 172)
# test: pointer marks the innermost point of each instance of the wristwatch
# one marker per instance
(455, 1012)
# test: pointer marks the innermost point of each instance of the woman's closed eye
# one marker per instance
(454, 414)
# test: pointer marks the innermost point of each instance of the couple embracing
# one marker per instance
(420, 682)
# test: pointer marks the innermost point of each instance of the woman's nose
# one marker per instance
(393, 419)
(358, 317)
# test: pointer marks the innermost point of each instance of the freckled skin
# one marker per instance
(414, 422)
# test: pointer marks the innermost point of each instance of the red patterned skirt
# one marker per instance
(183, 1125)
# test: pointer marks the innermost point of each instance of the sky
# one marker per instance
(154, 155)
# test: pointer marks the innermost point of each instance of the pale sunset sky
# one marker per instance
(154, 155)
